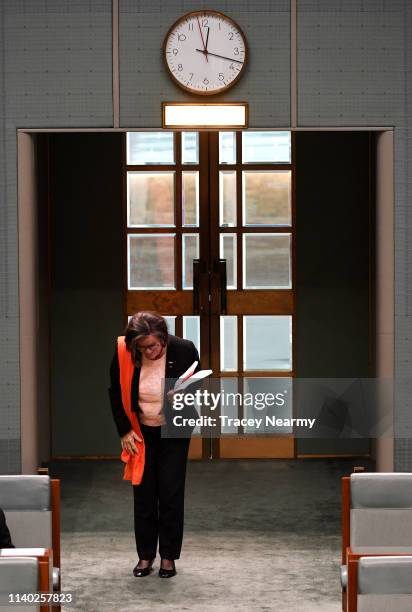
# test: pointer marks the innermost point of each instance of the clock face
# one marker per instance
(205, 52)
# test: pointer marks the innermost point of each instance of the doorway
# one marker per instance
(209, 243)
(74, 278)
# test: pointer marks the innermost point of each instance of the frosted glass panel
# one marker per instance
(150, 199)
(266, 197)
(171, 323)
(151, 261)
(191, 330)
(266, 147)
(190, 147)
(230, 408)
(267, 342)
(150, 148)
(190, 198)
(227, 198)
(276, 387)
(227, 147)
(266, 261)
(228, 252)
(228, 343)
(190, 246)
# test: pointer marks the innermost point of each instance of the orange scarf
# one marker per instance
(134, 464)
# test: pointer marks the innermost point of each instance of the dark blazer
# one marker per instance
(180, 354)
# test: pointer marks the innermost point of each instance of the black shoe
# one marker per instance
(139, 572)
(167, 573)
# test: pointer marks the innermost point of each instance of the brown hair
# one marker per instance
(143, 324)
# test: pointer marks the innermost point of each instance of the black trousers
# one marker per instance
(159, 498)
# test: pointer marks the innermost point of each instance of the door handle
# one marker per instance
(198, 268)
(220, 268)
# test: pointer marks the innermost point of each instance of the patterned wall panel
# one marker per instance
(143, 79)
(354, 69)
(56, 71)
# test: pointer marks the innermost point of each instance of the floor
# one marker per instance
(262, 535)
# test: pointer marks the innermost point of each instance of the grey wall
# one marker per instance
(55, 71)
(143, 79)
(354, 68)
(354, 65)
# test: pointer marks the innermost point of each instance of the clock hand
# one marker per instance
(203, 42)
(207, 38)
(222, 56)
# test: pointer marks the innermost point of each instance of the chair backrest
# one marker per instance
(381, 512)
(18, 575)
(26, 501)
(385, 583)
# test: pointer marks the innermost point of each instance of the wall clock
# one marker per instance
(205, 52)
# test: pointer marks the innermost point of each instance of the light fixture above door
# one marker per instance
(200, 115)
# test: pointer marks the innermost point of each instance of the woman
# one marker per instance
(147, 357)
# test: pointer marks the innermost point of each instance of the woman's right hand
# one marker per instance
(127, 442)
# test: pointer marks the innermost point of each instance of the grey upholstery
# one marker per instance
(26, 501)
(385, 575)
(25, 493)
(381, 490)
(381, 512)
(390, 530)
(18, 575)
(30, 529)
(385, 583)
(384, 603)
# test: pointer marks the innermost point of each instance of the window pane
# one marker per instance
(227, 198)
(190, 198)
(266, 261)
(274, 386)
(150, 148)
(150, 199)
(266, 198)
(267, 342)
(228, 386)
(228, 343)
(227, 147)
(228, 252)
(191, 330)
(190, 147)
(171, 323)
(266, 147)
(151, 261)
(190, 251)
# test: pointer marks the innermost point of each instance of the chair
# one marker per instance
(31, 505)
(24, 570)
(376, 518)
(380, 584)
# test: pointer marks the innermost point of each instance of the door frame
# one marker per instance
(35, 417)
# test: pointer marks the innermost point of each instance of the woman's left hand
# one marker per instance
(170, 395)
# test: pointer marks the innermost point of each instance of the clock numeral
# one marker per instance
(221, 76)
(236, 51)
(175, 51)
(191, 76)
(230, 35)
(206, 81)
(231, 67)
(181, 37)
(180, 67)
(191, 27)
(204, 23)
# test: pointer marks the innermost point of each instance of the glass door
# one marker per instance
(252, 230)
(209, 236)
